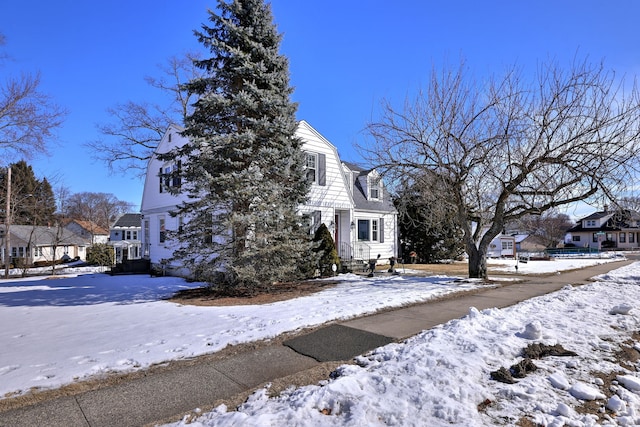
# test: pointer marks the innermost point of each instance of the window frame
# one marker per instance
(162, 229)
(313, 167)
(370, 232)
(375, 186)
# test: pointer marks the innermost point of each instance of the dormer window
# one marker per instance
(375, 192)
(591, 223)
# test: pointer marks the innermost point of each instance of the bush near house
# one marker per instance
(326, 249)
(101, 254)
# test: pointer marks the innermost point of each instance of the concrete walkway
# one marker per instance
(171, 392)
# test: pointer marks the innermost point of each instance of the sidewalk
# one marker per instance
(177, 390)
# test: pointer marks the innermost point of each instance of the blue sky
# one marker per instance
(345, 57)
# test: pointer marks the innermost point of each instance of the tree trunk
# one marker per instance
(477, 263)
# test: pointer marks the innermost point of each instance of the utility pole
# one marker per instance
(7, 223)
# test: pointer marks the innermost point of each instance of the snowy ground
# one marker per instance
(442, 376)
(59, 330)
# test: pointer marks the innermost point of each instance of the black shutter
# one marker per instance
(381, 230)
(322, 169)
(160, 179)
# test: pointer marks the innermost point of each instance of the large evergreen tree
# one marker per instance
(32, 199)
(243, 168)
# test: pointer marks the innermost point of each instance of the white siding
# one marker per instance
(156, 204)
(330, 196)
(334, 193)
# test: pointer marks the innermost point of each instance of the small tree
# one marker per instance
(101, 254)
(326, 250)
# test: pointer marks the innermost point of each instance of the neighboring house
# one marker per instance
(528, 243)
(606, 229)
(125, 237)
(352, 202)
(502, 246)
(31, 244)
(88, 230)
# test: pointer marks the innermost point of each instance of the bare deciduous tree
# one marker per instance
(505, 148)
(28, 117)
(137, 127)
(98, 208)
(549, 228)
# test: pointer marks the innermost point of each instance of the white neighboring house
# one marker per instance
(125, 235)
(32, 244)
(502, 246)
(352, 202)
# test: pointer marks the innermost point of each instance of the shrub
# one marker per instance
(326, 249)
(101, 254)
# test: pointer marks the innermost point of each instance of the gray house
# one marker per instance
(125, 237)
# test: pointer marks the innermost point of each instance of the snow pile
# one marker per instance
(442, 376)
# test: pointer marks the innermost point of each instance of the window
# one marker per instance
(575, 238)
(147, 235)
(170, 177)
(370, 230)
(37, 251)
(162, 229)
(363, 230)
(374, 188)
(591, 223)
(374, 230)
(312, 168)
(632, 237)
(507, 245)
(622, 237)
(18, 252)
(128, 235)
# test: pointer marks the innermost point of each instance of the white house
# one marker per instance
(352, 202)
(125, 235)
(502, 246)
(40, 244)
(606, 230)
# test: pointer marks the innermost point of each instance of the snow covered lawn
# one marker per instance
(442, 377)
(56, 331)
